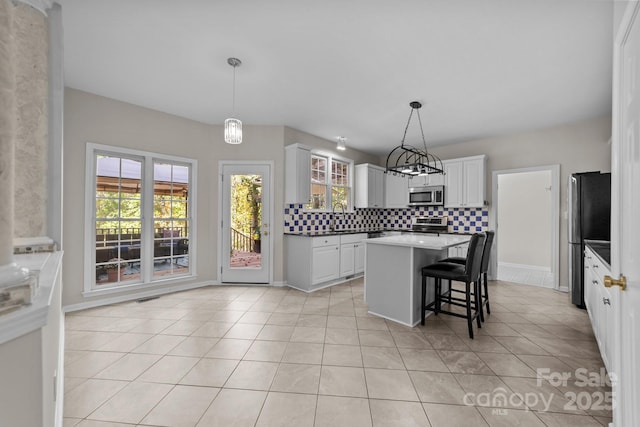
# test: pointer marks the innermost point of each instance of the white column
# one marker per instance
(7, 133)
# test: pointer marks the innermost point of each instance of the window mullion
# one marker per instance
(146, 218)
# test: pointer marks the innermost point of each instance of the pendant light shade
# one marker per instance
(232, 126)
(341, 143)
(232, 131)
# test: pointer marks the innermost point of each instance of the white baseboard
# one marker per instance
(133, 296)
(525, 274)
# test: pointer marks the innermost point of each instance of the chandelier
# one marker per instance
(232, 126)
(412, 161)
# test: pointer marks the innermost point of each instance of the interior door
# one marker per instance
(625, 233)
(245, 226)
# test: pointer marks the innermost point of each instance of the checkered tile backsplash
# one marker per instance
(296, 220)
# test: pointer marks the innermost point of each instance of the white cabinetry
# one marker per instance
(297, 175)
(317, 262)
(459, 251)
(396, 190)
(599, 304)
(465, 182)
(429, 180)
(325, 262)
(352, 254)
(369, 186)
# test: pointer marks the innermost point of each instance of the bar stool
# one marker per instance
(484, 268)
(468, 273)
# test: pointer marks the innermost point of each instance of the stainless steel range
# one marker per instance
(429, 224)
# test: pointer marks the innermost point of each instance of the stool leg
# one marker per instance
(424, 296)
(478, 298)
(469, 319)
(477, 303)
(486, 292)
(438, 295)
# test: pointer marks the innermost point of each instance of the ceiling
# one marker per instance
(350, 68)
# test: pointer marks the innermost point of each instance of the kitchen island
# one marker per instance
(392, 278)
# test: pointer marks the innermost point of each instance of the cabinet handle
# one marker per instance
(595, 265)
(595, 282)
(606, 301)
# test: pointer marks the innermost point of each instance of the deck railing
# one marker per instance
(240, 241)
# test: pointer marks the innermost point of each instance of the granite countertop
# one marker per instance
(329, 233)
(602, 249)
(319, 233)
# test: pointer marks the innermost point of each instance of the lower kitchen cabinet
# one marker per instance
(317, 262)
(458, 251)
(325, 264)
(600, 305)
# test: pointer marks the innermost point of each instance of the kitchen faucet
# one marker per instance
(332, 225)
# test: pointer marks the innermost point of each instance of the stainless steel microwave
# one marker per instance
(426, 196)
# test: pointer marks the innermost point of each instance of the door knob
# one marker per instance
(609, 282)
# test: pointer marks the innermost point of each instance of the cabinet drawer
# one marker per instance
(325, 241)
(352, 238)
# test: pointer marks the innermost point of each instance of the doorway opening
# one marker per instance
(245, 211)
(526, 220)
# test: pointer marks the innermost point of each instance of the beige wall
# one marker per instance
(524, 215)
(576, 147)
(293, 136)
(92, 118)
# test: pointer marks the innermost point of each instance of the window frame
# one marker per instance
(148, 160)
(330, 157)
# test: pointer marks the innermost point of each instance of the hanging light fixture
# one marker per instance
(233, 126)
(341, 141)
(408, 160)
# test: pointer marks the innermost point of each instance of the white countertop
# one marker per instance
(28, 318)
(421, 242)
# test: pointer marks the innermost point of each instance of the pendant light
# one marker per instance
(411, 161)
(233, 126)
(341, 143)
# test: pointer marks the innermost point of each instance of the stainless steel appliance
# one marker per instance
(589, 218)
(429, 224)
(426, 196)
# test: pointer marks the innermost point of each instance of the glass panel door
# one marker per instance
(245, 224)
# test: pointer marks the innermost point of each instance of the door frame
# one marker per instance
(271, 211)
(555, 223)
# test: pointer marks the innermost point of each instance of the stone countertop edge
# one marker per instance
(31, 317)
(602, 249)
(339, 233)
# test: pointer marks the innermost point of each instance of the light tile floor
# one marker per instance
(263, 356)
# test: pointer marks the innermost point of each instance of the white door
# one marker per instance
(245, 227)
(625, 228)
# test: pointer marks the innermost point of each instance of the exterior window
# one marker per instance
(328, 190)
(171, 221)
(318, 183)
(139, 217)
(340, 190)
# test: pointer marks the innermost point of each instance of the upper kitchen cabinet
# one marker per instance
(396, 190)
(369, 186)
(424, 181)
(465, 182)
(297, 175)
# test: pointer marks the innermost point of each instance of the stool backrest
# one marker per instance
(486, 252)
(474, 256)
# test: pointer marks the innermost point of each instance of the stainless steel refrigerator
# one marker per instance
(589, 218)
